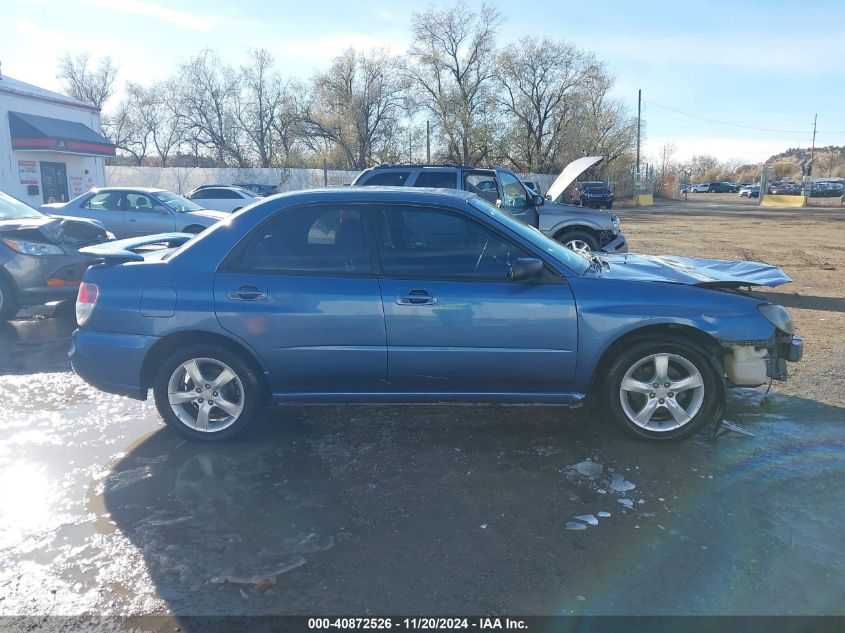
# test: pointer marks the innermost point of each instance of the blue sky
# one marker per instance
(767, 64)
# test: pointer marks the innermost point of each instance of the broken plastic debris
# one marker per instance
(483, 526)
(580, 598)
(603, 514)
(572, 525)
(589, 468)
(619, 484)
(259, 579)
(728, 427)
(312, 543)
(588, 518)
(626, 502)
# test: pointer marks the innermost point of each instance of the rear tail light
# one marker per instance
(86, 299)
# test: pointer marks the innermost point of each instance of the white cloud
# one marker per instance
(184, 19)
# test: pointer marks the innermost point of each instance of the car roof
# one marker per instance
(421, 195)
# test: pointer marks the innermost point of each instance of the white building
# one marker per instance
(51, 146)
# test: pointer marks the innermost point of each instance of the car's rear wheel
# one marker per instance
(205, 392)
(663, 390)
(578, 241)
(9, 304)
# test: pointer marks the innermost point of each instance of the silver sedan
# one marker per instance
(132, 212)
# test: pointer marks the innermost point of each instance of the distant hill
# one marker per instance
(799, 153)
(829, 161)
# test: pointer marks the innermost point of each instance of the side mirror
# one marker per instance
(160, 209)
(539, 200)
(526, 268)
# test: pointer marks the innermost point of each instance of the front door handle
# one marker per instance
(416, 297)
(248, 292)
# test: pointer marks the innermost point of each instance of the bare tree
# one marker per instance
(153, 110)
(208, 94)
(538, 83)
(356, 103)
(257, 104)
(84, 83)
(606, 128)
(127, 130)
(453, 66)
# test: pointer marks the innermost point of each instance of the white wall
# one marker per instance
(83, 172)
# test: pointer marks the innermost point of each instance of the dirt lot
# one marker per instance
(809, 244)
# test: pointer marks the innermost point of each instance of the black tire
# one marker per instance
(567, 237)
(712, 398)
(249, 387)
(9, 304)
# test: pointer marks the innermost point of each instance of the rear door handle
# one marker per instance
(248, 292)
(416, 297)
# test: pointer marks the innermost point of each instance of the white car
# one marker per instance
(702, 188)
(222, 198)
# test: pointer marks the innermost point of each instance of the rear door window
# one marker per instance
(106, 201)
(436, 179)
(316, 239)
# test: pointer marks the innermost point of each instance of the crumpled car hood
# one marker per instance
(73, 232)
(716, 273)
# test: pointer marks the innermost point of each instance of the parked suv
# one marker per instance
(577, 227)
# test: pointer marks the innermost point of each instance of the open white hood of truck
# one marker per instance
(570, 173)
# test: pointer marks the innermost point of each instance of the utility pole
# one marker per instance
(427, 142)
(813, 148)
(410, 159)
(639, 116)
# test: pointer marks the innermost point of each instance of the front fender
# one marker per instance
(610, 309)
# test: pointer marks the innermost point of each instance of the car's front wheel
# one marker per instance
(206, 392)
(578, 241)
(663, 390)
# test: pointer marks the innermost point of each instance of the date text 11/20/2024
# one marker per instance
(435, 624)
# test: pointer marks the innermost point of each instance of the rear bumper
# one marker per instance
(111, 362)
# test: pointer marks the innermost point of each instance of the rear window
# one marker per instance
(386, 179)
(437, 179)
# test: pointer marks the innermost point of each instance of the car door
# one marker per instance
(515, 198)
(219, 199)
(107, 207)
(144, 215)
(300, 289)
(456, 323)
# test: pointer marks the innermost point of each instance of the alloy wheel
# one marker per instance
(662, 392)
(206, 395)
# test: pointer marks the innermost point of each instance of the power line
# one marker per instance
(740, 125)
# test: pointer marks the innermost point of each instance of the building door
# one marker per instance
(54, 182)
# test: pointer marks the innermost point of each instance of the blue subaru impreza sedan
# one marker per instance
(391, 295)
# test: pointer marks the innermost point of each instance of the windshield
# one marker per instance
(564, 255)
(13, 209)
(176, 202)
